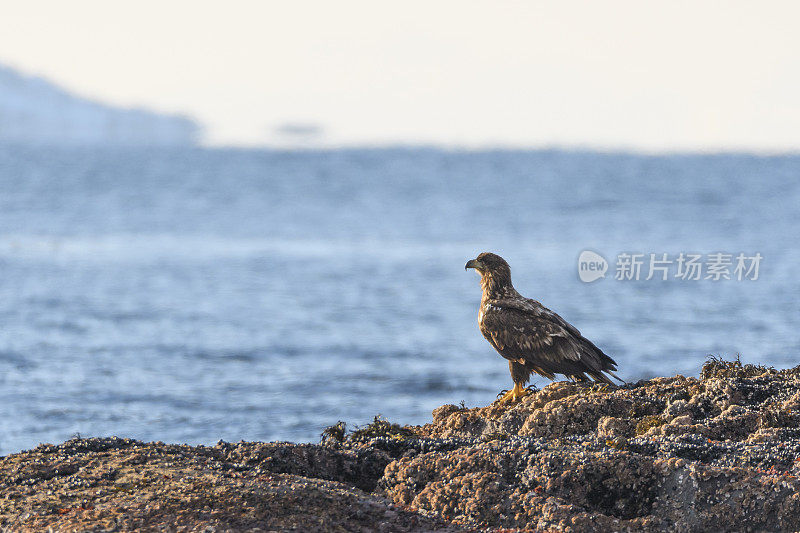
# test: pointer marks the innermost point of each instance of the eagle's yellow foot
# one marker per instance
(515, 394)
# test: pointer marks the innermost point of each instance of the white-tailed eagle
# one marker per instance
(532, 337)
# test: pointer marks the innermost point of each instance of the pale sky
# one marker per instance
(677, 75)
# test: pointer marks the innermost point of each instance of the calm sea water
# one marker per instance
(196, 295)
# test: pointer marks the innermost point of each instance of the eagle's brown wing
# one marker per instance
(528, 333)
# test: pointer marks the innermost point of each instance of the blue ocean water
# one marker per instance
(191, 295)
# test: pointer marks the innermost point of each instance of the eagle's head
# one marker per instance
(493, 269)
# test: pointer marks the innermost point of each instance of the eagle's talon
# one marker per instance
(502, 393)
(515, 394)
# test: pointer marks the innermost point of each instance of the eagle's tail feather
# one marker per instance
(599, 377)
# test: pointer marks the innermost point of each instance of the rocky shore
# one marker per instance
(716, 453)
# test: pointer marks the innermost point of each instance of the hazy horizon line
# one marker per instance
(421, 146)
(609, 149)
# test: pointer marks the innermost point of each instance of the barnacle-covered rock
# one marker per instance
(117, 484)
(668, 454)
(715, 453)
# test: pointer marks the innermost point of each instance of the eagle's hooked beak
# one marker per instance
(473, 263)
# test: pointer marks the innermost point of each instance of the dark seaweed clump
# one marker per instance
(378, 428)
(717, 367)
(334, 433)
